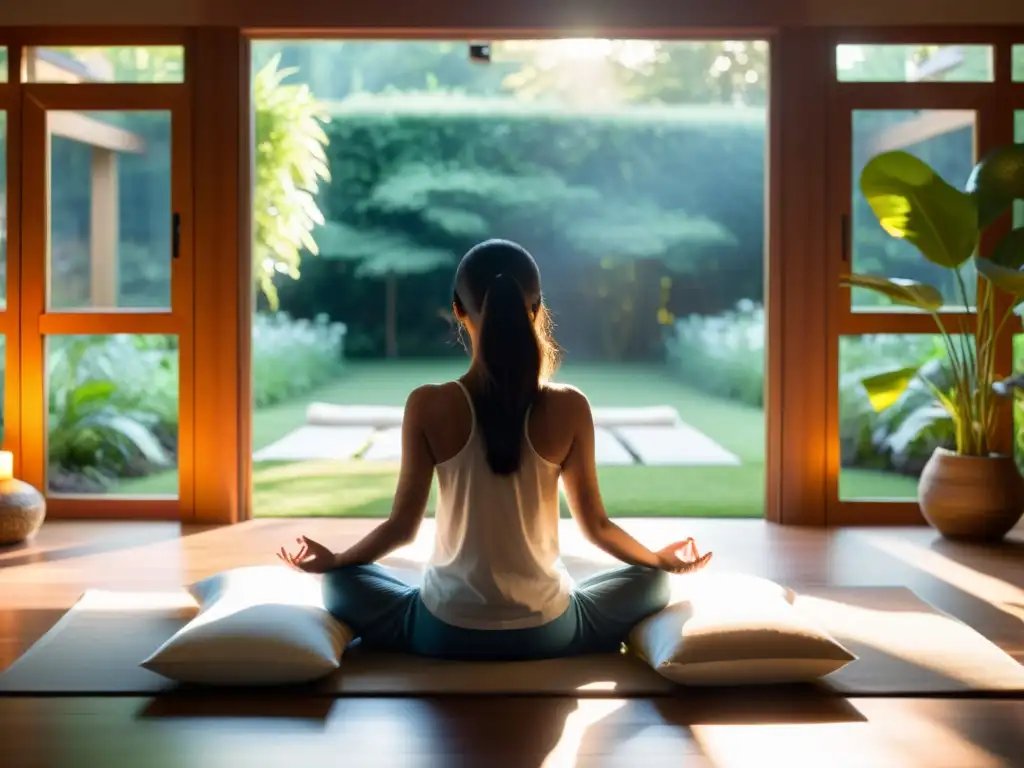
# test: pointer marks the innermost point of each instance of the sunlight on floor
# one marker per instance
(865, 744)
(930, 641)
(589, 712)
(101, 601)
(995, 592)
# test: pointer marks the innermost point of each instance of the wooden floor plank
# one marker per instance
(880, 733)
(980, 585)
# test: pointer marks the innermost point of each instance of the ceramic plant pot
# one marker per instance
(971, 497)
(22, 510)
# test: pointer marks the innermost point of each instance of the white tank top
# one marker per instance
(496, 561)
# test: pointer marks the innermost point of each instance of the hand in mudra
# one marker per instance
(311, 557)
(682, 557)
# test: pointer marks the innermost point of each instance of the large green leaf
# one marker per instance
(996, 181)
(1003, 278)
(913, 203)
(290, 162)
(919, 420)
(1009, 252)
(135, 433)
(884, 389)
(909, 293)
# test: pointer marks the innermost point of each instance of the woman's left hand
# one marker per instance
(312, 557)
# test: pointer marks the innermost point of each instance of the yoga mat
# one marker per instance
(905, 648)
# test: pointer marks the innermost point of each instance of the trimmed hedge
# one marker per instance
(700, 163)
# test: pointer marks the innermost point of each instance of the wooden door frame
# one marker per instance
(243, 319)
(24, 322)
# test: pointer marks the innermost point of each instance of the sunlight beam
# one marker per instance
(988, 589)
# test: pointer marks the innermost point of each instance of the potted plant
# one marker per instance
(971, 492)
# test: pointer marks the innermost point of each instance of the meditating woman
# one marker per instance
(500, 439)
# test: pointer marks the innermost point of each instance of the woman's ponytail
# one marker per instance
(511, 357)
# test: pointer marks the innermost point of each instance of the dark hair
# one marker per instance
(497, 285)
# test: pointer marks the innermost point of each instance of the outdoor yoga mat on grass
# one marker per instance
(905, 648)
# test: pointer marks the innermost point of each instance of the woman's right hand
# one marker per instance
(682, 557)
(311, 557)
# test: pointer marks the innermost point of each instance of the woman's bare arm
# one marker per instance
(579, 474)
(414, 479)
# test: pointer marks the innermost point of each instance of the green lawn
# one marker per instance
(364, 489)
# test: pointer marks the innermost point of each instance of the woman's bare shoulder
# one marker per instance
(565, 397)
(430, 397)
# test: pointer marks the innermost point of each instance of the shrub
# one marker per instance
(113, 409)
(588, 191)
(291, 357)
(891, 439)
(724, 355)
(113, 400)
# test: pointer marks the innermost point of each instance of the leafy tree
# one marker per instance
(382, 254)
(418, 218)
(337, 69)
(635, 71)
(631, 246)
(290, 163)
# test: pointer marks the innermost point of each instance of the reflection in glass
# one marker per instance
(110, 211)
(945, 140)
(112, 424)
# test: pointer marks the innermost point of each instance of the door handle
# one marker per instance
(175, 235)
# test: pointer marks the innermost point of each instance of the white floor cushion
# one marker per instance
(264, 625)
(724, 629)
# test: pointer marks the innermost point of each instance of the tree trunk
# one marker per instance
(391, 308)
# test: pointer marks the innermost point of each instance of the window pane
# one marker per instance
(110, 210)
(113, 414)
(945, 140)
(116, 64)
(883, 451)
(3, 210)
(1018, 63)
(914, 63)
(573, 147)
(3, 64)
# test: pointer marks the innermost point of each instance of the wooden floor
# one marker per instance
(983, 586)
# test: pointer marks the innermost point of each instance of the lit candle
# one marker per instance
(6, 465)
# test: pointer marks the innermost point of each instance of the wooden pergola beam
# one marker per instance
(934, 122)
(94, 133)
(107, 142)
(921, 128)
(45, 65)
(946, 58)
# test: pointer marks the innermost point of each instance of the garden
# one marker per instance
(642, 196)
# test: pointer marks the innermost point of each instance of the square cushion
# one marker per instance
(730, 629)
(264, 625)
